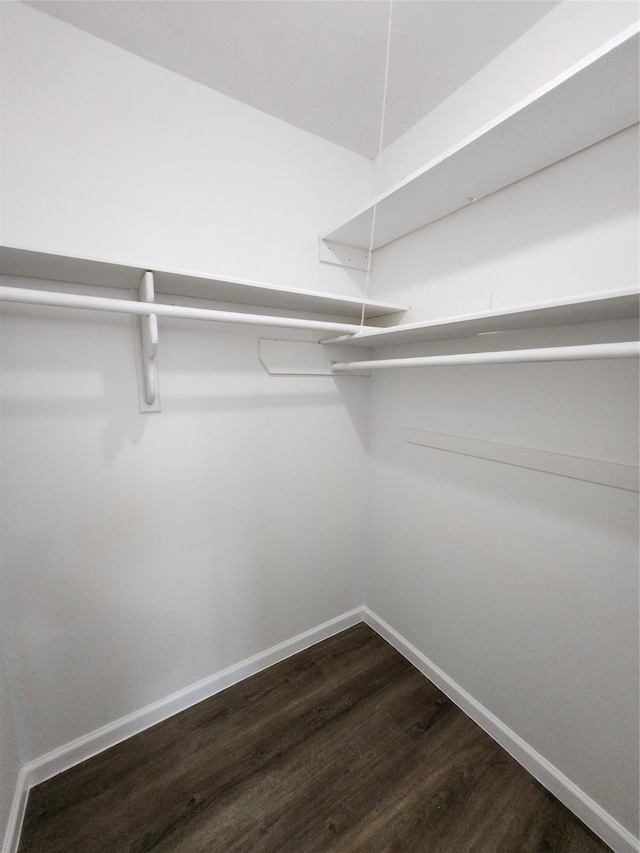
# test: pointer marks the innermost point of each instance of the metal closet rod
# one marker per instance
(626, 349)
(182, 312)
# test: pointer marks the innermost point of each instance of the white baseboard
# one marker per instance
(85, 747)
(16, 815)
(593, 815)
(43, 768)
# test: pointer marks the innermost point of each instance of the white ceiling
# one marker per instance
(316, 64)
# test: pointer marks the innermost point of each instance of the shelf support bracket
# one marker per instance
(331, 252)
(148, 326)
(298, 358)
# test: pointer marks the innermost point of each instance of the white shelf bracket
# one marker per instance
(331, 252)
(297, 358)
(148, 325)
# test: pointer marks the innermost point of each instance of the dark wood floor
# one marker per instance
(343, 747)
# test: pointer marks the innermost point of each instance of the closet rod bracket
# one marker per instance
(150, 399)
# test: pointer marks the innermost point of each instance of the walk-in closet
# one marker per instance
(319, 426)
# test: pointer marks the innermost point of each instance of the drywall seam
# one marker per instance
(592, 814)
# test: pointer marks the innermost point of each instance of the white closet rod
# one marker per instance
(124, 306)
(626, 349)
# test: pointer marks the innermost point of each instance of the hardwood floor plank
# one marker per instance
(342, 747)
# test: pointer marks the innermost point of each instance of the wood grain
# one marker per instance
(342, 747)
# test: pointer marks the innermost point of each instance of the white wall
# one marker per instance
(521, 586)
(106, 155)
(143, 553)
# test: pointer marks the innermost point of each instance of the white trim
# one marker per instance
(593, 815)
(67, 756)
(78, 750)
(16, 815)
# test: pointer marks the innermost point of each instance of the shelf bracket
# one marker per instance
(298, 358)
(148, 348)
(353, 257)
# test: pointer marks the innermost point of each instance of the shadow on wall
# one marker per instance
(145, 552)
(203, 369)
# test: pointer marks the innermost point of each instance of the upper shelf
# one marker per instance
(588, 103)
(610, 305)
(43, 265)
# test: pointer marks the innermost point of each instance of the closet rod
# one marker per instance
(182, 312)
(626, 349)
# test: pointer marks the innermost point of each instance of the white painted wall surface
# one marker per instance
(143, 553)
(563, 37)
(521, 586)
(106, 155)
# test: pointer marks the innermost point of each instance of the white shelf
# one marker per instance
(63, 268)
(590, 102)
(610, 305)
